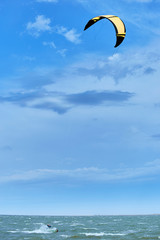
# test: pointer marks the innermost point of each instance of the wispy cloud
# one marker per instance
(140, 1)
(97, 98)
(61, 102)
(144, 62)
(88, 174)
(53, 106)
(50, 44)
(71, 35)
(62, 52)
(117, 66)
(41, 24)
(91, 81)
(49, 1)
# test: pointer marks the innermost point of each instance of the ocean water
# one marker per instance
(79, 227)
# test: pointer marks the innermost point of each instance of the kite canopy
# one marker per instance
(117, 23)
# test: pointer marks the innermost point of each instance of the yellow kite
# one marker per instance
(117, 23)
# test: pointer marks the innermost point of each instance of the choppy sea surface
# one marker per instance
(79, 227)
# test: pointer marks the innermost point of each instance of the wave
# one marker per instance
(106, 223)
(76, 224)
(42, 230)
(89, 228)
(117, 220)
(65, 236)
(56, 221)
(103, 234)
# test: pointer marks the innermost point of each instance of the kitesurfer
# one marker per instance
(49, 226)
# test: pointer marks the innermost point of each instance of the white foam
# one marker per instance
(76, 224)
(117, 220)
(65, 236)
(131, 231)
(42, 224)
(90, 228)
(103, 234)
(36, 231)
(102, 223)
(43, 229)
(56, 221)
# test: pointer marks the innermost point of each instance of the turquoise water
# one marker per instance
(88, 227)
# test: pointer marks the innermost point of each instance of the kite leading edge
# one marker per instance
(117, 23)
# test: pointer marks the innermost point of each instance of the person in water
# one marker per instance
(49, 226)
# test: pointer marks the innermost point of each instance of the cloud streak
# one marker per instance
(50, 44)
(61, 102)
(49, 1)
(71, 35)
(140, 1)
(98, 98)
(93, 174)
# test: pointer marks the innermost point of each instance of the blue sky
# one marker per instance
(80, 119)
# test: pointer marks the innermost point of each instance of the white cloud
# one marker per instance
(62, 52)
(141, 1)
(50, 44)
(114, 57)
(85, 174)
(70, 35)
(41, 24)
(50, 1)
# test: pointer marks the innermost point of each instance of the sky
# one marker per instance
(79, 119)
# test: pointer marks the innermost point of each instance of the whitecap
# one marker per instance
(42, 230)
(117, 220)
(85, 228)
(56, 221)
(102, 223)
(36, 231)
(103, 234)
(130, 231)
(76, 224)
(65, 236)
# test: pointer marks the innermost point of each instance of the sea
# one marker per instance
(79, 227)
